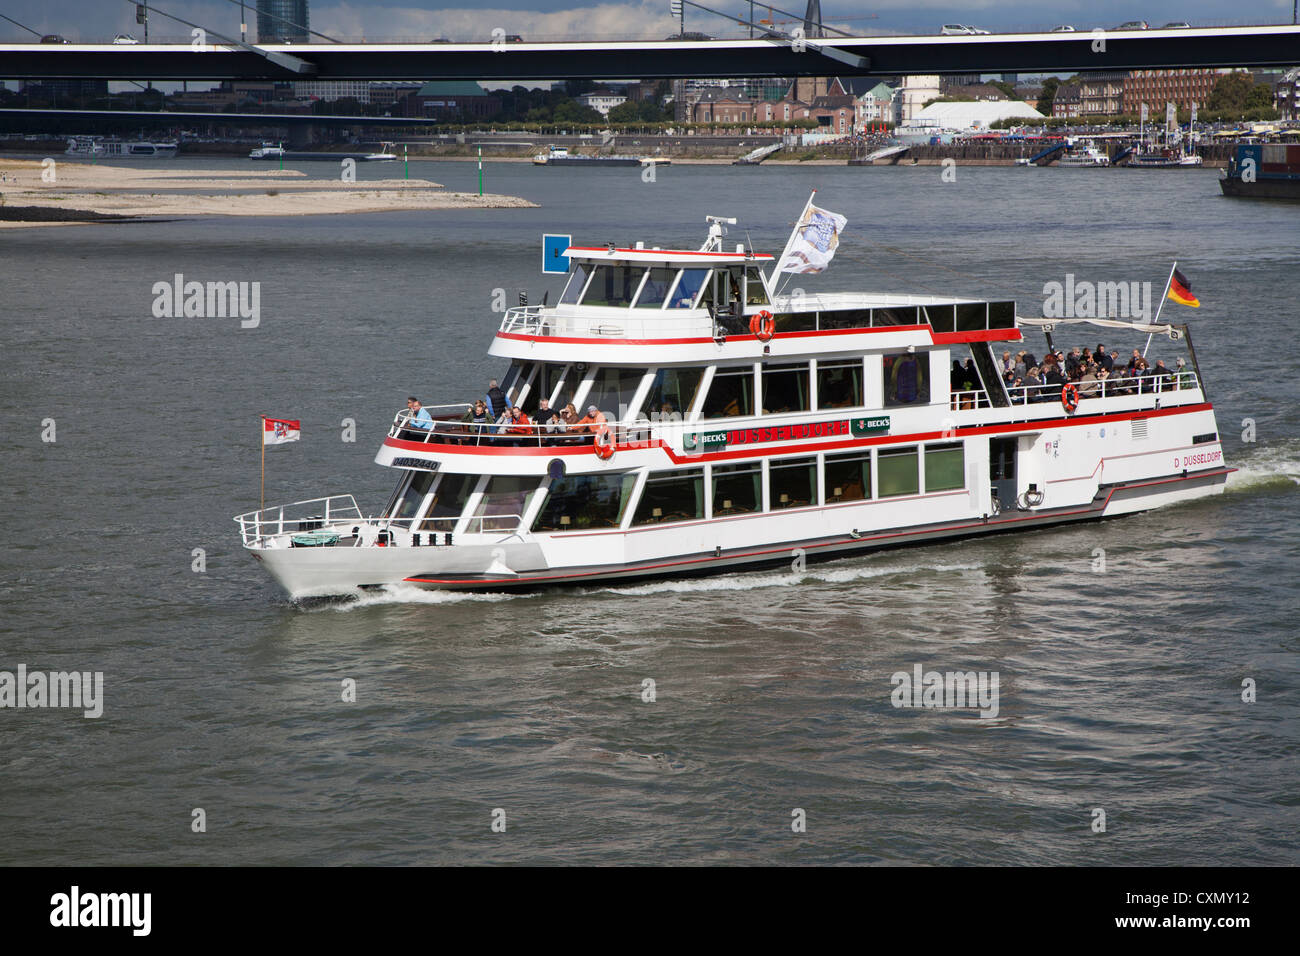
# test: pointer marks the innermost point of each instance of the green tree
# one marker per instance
(1231, 91)
(1047, 96)
(627, 112)
(1007, 89)
(1259, 97)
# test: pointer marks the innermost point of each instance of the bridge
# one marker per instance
(1255, 46)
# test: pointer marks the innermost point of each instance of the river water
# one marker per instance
(1119, 691)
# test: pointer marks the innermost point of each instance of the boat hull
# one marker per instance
(517, 565)
(1261, 188)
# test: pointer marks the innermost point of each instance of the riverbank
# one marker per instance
(86, 193)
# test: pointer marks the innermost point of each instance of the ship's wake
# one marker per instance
(1274, 465)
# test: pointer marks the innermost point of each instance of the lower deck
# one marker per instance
(489, 531)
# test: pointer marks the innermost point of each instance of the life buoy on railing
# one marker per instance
(762, 325)
(604, 444)
(1070, 398)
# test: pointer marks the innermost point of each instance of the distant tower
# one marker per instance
(812, 19)
(282, 21)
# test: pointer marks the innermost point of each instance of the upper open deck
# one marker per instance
(658, 297)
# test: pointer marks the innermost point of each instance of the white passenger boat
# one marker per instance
(744, 428)
(1084, 157)
(98, 148)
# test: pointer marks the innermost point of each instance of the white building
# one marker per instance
(602, 101)
(915, 92)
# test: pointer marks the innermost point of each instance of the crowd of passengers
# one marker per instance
(1093, 373)
(493, 418)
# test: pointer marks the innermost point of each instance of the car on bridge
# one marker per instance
(957, 29)
(1134, 25)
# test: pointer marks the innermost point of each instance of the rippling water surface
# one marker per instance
(1119, 690)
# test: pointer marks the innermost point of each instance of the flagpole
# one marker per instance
(261, 498)
(789, 243)
(1156, 321)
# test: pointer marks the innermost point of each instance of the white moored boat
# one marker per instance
(743, 429)
(98, 148)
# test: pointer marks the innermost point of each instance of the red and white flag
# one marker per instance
(277, 431)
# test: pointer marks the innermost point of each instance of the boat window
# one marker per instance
(672, 393)
(907, 379)
(737, 489)
(688, 287)
(577, 281)
(656, 288)
(409, 503)
(785, 388)
(671, 496)
(503, 503)
(755, 294)
(793, 483)
(848, 477)
(614, 286)
(585, 501)
(898, 472)
(448, 502)
(549, 375)
(845, 319)
(794, 321)
(731, 393)
(945, 467)
(612, 391)
(839, 385)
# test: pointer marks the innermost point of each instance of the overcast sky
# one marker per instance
(555, 19)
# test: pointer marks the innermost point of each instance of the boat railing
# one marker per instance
(482, 524)
(624, 324)
(524, 319)
(455, 431)
(973, 398)
(309, 515)
(1151, 384)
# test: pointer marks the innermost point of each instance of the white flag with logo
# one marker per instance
(1193, 112)
(1144, 112)
(813, 244)
(277, 431)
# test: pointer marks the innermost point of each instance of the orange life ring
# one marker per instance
(604, 444)
(762, 325)
(1070, 398)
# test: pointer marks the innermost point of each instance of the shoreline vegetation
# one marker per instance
(82, 193)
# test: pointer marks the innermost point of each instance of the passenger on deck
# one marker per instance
(592, 421)
(519, 427)
(419, 417)
(1183, 375)
(1103, 359)
(1088, 387)
(496, 399)
(546, 416)
(476, 419)
(1073, 361)
(1008, 363)
(1033, 384)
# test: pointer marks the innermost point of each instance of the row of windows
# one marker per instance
(578, 502)
(662, 287)
(675, 391)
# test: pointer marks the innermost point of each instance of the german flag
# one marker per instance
(1180, 290)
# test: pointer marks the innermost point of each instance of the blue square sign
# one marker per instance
(553, 257)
